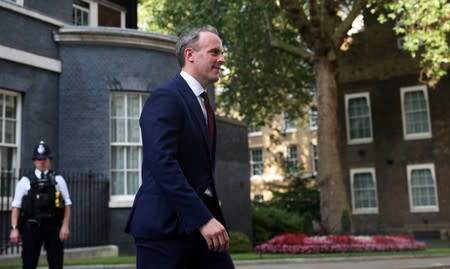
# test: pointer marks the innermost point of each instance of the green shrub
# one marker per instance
(240, 243)
(346, 225)
(270, 221)
(380, 227)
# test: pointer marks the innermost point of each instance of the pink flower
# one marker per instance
(300, 243)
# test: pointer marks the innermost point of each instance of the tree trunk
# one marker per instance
(333, 198)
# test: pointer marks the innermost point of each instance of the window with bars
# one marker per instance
(10, 109)
(415, 112)
(291, 159)
(364, 191)
(422, 188)
(358, 118)
(126, 142)
(257, 162)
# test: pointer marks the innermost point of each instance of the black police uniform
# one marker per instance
(41, 218)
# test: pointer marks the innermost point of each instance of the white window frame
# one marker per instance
(364, 140)
(252, 162)
(353, 172)
(417, 209)
(290, 159)
(83, 9)
(125, 200)
(93, 12)
(16, 158)
(285, 120)
(257, 133)
(313, 119)
(414, 136)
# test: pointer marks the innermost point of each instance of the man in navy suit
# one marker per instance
(176, 219)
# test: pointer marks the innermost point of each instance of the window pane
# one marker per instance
(133, 131)
(10, 106)
(118, 179)
(133, 105)
(118, 130)
(118, 157)
(10, 131)
(133, 158)
(2, 101)
(118, 105)
(416, 112)
(364, 190)
(359, 118)
(257, 164)
(132, 182)
(423, 188)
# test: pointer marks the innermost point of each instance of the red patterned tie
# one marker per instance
(210, 116)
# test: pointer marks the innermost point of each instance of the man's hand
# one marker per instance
(216, 235)
(14, 236)
(64, 232)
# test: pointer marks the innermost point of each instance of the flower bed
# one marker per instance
(300, 243)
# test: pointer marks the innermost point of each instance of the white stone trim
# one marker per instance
(33, 14)
(31, 59)
(113, 36)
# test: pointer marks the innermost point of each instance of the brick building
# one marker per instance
(395, 134)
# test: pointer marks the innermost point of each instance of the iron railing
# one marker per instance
(89, 222)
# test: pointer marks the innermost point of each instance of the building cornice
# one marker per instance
(111, 36)
(32, 14)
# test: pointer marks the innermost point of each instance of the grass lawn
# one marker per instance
(248, 256)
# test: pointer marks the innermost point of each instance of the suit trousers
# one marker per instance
(34, 235)
(190, 252)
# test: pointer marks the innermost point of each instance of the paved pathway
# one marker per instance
(383, 262)
(351, 263)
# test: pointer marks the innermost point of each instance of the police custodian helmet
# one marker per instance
(41, 152)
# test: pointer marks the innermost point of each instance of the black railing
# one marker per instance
(89, 222)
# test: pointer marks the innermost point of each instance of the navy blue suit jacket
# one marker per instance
(178, 165)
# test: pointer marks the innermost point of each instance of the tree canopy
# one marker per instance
(262, 81)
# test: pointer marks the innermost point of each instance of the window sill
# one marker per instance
(121, 202)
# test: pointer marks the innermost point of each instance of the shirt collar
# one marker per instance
(195, 86)
(38, 172)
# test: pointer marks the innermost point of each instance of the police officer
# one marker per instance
(40, 212)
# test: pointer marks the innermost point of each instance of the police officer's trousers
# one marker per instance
(35, 235)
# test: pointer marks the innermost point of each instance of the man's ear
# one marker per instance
(189, 54)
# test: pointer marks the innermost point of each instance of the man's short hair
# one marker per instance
(189, 38)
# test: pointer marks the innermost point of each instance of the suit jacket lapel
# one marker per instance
(195, 110)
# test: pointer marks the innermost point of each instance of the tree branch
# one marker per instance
(341, 31)
(298, 51)
(297, 17)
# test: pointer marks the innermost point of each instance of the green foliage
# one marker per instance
(380, 227)
(270, 221)
(260, 81)
(297, 195)
(240, 243)
(346, 224)
(425, 27)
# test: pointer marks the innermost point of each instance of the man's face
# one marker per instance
(42, 165)
(206, 58)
